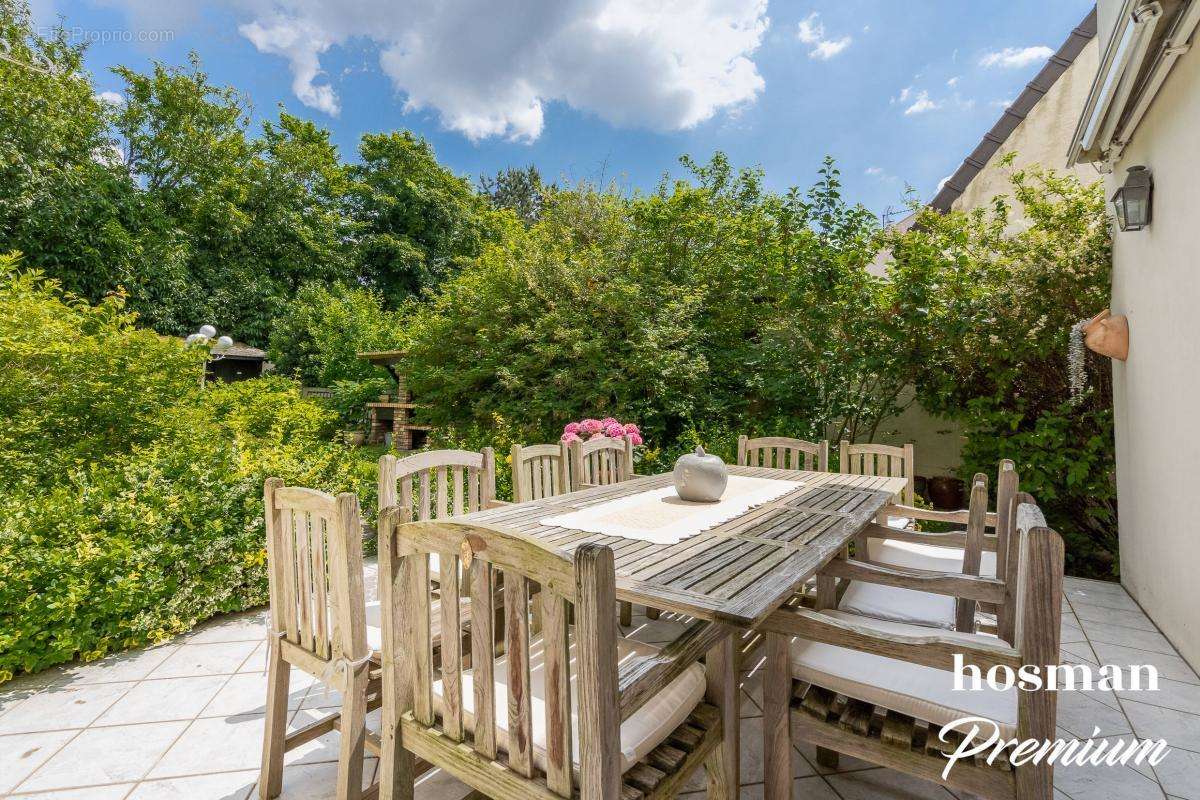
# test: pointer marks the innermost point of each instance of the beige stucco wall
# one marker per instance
(1042, 137)
(1156, 284)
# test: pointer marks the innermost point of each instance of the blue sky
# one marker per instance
(897, 92)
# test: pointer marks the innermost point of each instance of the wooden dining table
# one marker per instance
(738, 572)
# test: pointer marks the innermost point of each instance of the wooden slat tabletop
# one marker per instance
(737, 572)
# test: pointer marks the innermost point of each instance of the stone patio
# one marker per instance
(184, 720)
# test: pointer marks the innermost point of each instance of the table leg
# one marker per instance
(777, 725)
(720, 665)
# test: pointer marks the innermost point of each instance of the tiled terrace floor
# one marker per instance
(184, 720)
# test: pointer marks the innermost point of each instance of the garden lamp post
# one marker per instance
(203, 337)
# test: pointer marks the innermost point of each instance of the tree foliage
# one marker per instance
(983, 305)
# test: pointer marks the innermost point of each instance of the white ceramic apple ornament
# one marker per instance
(700, 477)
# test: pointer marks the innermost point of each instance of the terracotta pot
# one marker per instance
(1108, 335)
(946, 493)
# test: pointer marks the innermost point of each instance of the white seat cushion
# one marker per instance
(374, 618)
(648, 727)
(900, 605)
(927, 556)
(921, 692)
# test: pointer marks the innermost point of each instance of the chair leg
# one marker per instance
(827, 758)
(652, 613)
(777, 716)
(270, 781)
(720, 666)
(626, 615)
(353, 734)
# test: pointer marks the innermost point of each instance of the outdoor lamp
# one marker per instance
(1133, 200)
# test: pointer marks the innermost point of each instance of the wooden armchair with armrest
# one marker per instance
(882, 691)
(576, 711)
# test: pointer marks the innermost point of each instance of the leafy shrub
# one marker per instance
(136, 525)
(982, 310)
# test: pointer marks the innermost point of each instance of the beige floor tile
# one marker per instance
(1080, 713)
(440, 785)
(59, 707)
(1169, 666)
(1102, 782)
(246, 693)
(1098, 631)
(1180, 774)
(1170, 694)
(218, 658)
(1179, 728)
(131, 666)
(22, 753)
(247, 626)
(257, 662)
(319, 781)
(220, 786)
(162, 700)
(216, 744)
(1113, 616)
(105, 755)
(113, 792)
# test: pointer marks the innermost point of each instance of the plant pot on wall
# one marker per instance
(1108, 335)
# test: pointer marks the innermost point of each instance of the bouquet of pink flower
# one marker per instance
(609, 426)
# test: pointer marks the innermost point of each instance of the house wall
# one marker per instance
(1041, 138)
(1156, 284)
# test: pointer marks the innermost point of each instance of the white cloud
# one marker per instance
(812, 31)
(1016, 57)
(1001, 103)
(488, 69)
(905, 93)
(873, 171)
(952, 82)
(112, 98)
(943, 181)
(921, 104)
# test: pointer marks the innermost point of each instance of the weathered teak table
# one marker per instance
(738, 572)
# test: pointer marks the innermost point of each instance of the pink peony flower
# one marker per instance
(636, 438)
(614, 430)
(591, 426)
(571, 437)
(631, 428)
(609, 421)
(571, 427)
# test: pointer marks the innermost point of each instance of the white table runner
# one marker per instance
(659, 516)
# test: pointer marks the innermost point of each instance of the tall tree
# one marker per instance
(418, 221)
(520, 190)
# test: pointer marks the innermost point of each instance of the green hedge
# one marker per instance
(161, 527)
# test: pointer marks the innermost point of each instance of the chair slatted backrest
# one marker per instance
(782, 452)
(315, 572)
(601, 461)
(582, 589)
(540, 470)
(438, 483)
(1037, 633)
(881, 459)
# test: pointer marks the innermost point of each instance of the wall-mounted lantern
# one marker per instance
(1133, 200)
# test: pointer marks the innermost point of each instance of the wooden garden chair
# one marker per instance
(540, 470)
(603, 461)
(318, 624)
(600, 461)
(881, 459)
(436, 484)
(576, 711)
(783, 453)
(882, 691)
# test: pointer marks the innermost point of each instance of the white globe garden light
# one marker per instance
(223, 343)
(208, 331)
